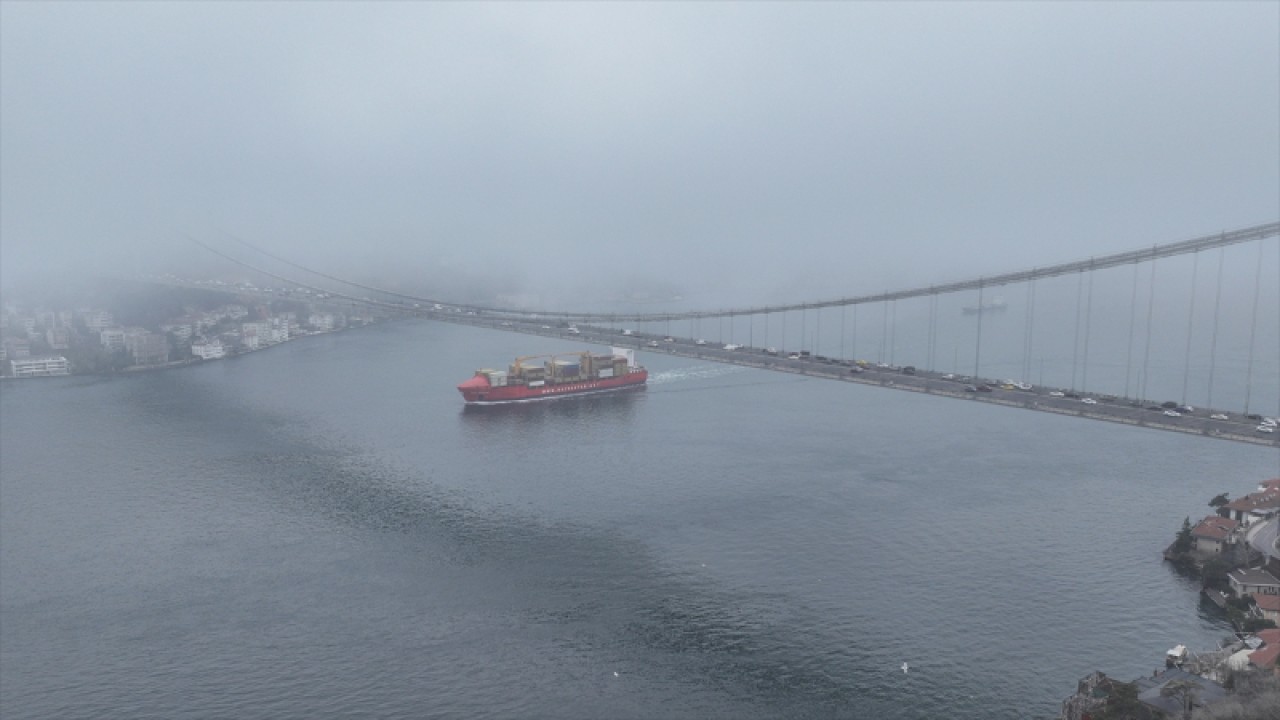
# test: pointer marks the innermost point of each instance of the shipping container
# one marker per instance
(606, 373)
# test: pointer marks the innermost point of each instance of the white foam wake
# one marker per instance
(697, 372)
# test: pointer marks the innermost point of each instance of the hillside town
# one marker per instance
(1235, 553)
(43, 341)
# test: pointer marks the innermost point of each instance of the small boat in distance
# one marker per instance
(559, 375)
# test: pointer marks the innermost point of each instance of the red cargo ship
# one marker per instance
(560, 375)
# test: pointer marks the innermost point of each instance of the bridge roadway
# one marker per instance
(1108, 409)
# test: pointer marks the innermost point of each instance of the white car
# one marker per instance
(731, 346)
(1266, 428)
(1218, 416)
(653, 343)
(1089, 401)
(1057, 393)
(1173, 413)
(668, 339)
(793, 357)
(700, 341)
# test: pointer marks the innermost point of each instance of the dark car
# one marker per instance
(984, 388)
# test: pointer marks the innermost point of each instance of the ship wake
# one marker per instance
(697, 372)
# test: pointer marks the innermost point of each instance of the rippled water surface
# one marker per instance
(321, 530)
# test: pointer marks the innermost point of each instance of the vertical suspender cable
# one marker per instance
(1027, 324)
(1146, 353)
(977, 345)
(884, 332)
(817, 335)
(1253, 331)
(1191, 313)
(1133, 311)
(1075, 345)
(893, 331)
(933, 317)
(1213, 342)
(843, 308)
(1088, 314)
(804, 318)
(853, 341)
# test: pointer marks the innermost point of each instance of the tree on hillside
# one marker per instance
(1219, 500)
(1183, 542)
(1182, 691)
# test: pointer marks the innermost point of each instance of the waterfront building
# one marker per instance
(280, 328)
(322, 321)
(262, 332)
(1254, 507)
(1214, 534)
(1265, 657)
(1150, 692)
(112, 338)
(1253, 581)
(208, 349)
(1268, 607)
(39, 366)
(147, 348)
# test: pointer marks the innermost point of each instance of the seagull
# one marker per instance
(905, 667)
(615, 673)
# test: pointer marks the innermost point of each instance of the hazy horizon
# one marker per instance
(721, 150)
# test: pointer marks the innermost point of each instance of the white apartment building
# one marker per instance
(112, 338)
(208, 349)
(39, 366)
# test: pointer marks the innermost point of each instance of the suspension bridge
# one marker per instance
(1181, 336)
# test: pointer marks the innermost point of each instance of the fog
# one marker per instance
(725, 152)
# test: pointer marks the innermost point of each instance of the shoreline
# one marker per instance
(177, 364)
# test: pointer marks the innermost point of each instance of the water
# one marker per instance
(321, 530)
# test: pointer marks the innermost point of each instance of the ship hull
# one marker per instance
(481, 393)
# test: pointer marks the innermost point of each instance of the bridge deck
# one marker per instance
(1120, 411)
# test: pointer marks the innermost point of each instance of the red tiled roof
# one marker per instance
(1267, 602)
(1272, 484)
(1214, 527)
(1265, 657)
(1268, 498)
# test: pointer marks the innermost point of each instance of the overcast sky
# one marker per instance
(795, 149)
